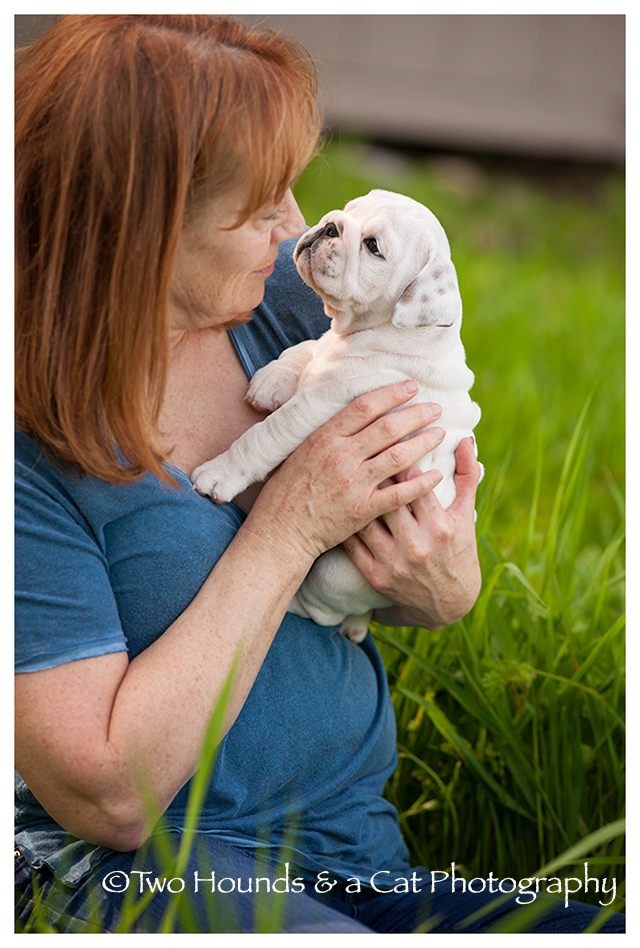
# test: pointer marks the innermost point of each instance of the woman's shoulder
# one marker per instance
(98, 564)
(45, 486)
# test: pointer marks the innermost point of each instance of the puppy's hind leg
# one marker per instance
(335, 592)
(355, 628)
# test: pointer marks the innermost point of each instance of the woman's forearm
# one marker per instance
(228, 627)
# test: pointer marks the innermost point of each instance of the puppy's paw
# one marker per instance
(218, 480)
(270, 388)
(355, 628)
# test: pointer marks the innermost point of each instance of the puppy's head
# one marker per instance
(385, 257)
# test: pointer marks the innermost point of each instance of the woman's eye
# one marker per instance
(372, 245)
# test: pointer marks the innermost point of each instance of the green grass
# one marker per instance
(510, 723)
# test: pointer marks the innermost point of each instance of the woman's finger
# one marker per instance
(395, 426)
(364, 409)
(467, 476)
(400, 494)
(404, 518)
(403, 454)
(427, 503)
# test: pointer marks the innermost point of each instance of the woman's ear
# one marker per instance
(432, 299)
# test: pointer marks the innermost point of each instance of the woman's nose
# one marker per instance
(293, 224)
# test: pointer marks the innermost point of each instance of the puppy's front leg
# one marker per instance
(262, 448)
(277, 382)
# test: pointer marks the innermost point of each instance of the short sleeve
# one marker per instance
(65, 607)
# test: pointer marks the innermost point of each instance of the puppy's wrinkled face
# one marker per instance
(361, 260)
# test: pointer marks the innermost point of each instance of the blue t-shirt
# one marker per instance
(106, 568)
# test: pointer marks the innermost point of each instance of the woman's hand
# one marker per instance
(425, 558)
(330, 487)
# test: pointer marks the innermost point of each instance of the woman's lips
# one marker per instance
(266, 271)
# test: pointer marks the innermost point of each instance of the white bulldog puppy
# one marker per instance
(383, 269)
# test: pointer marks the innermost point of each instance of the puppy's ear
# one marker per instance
(432, 299)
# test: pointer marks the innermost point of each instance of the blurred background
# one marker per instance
(511, 129)
(543, 86)
(522, 85)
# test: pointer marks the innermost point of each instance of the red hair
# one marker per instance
(125, 127)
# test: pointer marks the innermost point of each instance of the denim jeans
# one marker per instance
(236, 894)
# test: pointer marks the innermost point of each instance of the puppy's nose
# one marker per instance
(329, 230)
(311, 237)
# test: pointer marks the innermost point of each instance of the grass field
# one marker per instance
(510, 723)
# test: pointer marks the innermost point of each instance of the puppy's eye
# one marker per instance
(372, 245)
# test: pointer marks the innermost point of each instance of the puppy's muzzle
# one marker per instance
(330, 230)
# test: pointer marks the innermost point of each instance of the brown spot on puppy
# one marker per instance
(408, 293)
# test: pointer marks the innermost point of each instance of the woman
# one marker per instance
(155, 156)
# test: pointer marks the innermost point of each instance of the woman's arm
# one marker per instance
(95, 735)
(99, 736)
(425, 559)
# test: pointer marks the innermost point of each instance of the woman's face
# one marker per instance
(219, 273)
